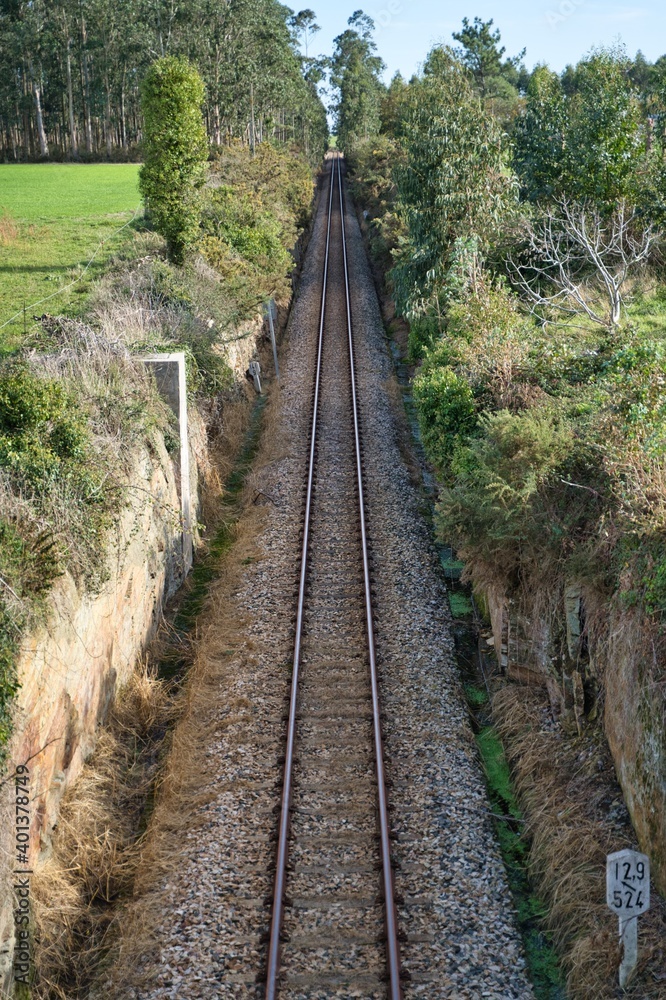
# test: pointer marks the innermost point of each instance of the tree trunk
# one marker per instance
(14, 140)
(217, 134)
(62, 125)
(86, 90)
(252, 135)
(616, 307)
(123, 126)
(26, 118)
(107, 117)
(74, 146)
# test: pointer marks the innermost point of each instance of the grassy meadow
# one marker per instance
(53, 217)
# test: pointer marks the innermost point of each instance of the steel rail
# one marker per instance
(273, 969)
(392, 947)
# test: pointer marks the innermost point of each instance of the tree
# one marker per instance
(355, 74)
(70, 73)
(583, 255)
(393, 105)
(481, 54)
(583, 137)
(540, 148)
(304, 25)
(605, 131)
(175, 151)
(454, 184)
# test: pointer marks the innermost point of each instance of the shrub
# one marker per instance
(42, 431)
(446, 411)
(494, 340)
(175, 152)
(29, 564)
(497, 505)
(252, 234)
(254, 209)
(48, 458)
(10, 627)
(636, 379)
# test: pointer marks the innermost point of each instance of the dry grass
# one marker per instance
(96, 846)
(575, 817)
(186, 783)
(9, 231)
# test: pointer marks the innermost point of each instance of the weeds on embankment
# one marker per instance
(64, 466)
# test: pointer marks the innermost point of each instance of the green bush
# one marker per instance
(10, 627)
(28, 567)
(254, 210)
(655, 585)
(497, 506)
(254, 235)
(275, 178)
(42, 431)
(48, 457)
(175, 152)
(635, 377)
(446, 411)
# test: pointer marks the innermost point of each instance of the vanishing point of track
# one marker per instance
(333, 921)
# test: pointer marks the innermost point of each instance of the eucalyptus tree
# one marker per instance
(70, 72)
(304, 26)
(583, 136)
(393, 105)
(24, 27)
(356, 76)
(453, 185)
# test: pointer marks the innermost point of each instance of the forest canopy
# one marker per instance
(71, 71)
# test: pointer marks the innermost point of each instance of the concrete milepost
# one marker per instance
(628, 895)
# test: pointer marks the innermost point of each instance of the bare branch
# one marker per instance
(574, 248)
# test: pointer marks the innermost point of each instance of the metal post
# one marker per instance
(271, 323)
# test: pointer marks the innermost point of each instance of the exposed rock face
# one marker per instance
(635, 722)
(617, 654)
(71, 669)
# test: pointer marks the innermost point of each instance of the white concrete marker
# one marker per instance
(628, 895)
(171, 379)
(254, 371)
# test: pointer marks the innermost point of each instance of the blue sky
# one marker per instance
(553, 31)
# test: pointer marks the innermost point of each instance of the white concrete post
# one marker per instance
(629, 943)
(171, 379)
(254, 371)
(628, 895)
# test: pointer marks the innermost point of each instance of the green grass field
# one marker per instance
(53, 217)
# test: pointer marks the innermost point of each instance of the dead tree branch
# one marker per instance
(574, 249)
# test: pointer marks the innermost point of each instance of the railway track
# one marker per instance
(333, 924)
